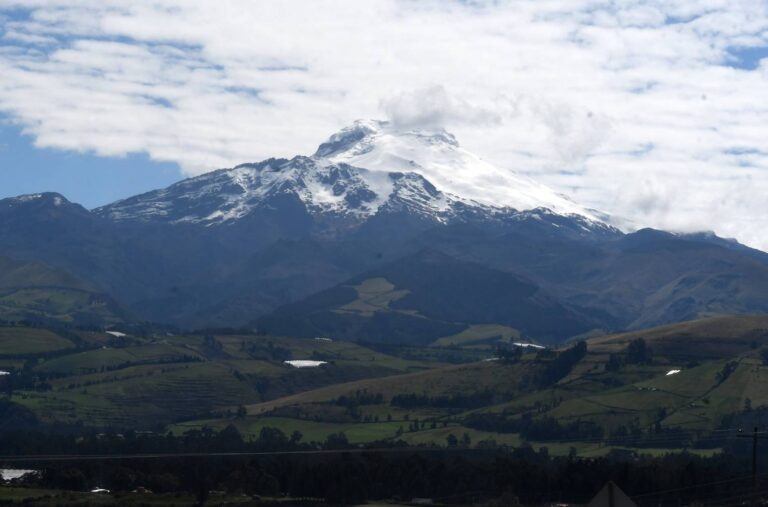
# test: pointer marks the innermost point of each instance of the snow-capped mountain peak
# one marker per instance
(436, 155)
(362, 136)
(228, 195)
(367, 168)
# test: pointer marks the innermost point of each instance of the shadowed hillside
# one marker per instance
(423, 298)
(36, 292)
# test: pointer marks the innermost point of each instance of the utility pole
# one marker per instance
(755, 436)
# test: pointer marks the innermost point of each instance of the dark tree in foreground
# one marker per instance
(638, 352)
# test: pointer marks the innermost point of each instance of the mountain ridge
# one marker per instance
(336, 180)
(232, 246)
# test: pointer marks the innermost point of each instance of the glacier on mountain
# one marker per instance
(367, 168)
(436, 155)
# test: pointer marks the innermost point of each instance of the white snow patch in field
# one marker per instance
(533, 345)
(305, 363)
(9, 474)
(3, 372)
(118, 334)
(672, 372)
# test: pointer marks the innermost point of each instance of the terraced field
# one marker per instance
(101, 379)
(117, 380)
(669, 391)
(312, 431)
(374, 295)
(25, 341)
(481, 333)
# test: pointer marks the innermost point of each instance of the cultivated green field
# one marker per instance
(373, 295)
(187, 382)
(632, 397)
(56, 304)
(312, 431)
(20, 341)
(479, 333)
(115, 380)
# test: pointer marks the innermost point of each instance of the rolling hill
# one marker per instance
(595, 397)
(668, 399)
(114, 379)
(233, 246)
(32, 291)
(423, 298)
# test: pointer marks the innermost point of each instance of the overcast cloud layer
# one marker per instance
(653, 111)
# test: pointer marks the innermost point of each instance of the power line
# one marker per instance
(652, 439)
(694, 486)
(755, 436)
(161, 455)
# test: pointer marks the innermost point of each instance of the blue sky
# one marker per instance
(93, 181)
(655, 111)
(86, 179)
(748, 58)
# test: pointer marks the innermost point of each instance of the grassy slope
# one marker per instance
(106, 358)
(140, 382)
(424, 298)
(703, 339)
(636, 394)
(31, 290)
(479, 333)
(463, 379)
(374, 295)
(21, 340)
(312, 431)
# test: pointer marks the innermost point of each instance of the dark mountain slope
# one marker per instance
(230, 246)
(712, 338)
(626, 281)
(35, 292)
(423, 297)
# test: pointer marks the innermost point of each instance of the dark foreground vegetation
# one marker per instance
(219, 417)
(202, 463)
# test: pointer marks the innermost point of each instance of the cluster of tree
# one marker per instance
(509, 354)
(28, 379)
(459, 476)
(672, 437)
(532, 428)
(184, 358)
(417, 424)
(213, 347)
(266, 352)
(361, 397)
(755, 417)
(446, 354)
(468, 401)
(227, 331)
(78, 441)
(561, 365)
(638, 352)
(726, 371)
(453, 441)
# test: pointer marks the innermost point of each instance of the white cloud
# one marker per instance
(434, 107)
(627, 106)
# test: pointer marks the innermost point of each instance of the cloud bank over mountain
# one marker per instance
(654, 111)
(432, 107)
